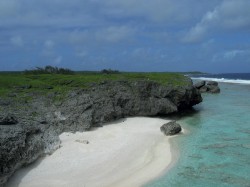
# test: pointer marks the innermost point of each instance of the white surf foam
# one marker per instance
(236, 81)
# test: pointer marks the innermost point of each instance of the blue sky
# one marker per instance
(128, 35)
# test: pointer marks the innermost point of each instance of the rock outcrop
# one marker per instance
(210, 86)
(170, 128)
(8, 120)
(33, 129)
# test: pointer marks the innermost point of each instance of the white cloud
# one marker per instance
(208, 44)
(235, 53)
(157, 11)
(195, 34)
(141, 52)
(48, 48)
(111, 34)
(115, 34)
(17, 41)
(139, 30)
(235, 14)
(58, 60)
(80, 37)
(42, 13)
(79, 13)
(8, 8)
(82, 54)
(49, 44)
(230, 14)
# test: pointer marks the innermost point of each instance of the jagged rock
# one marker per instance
(210, 87)
(23, 145)
(212, 83)
(8, 120)
(203, 89)
(12, 95)
(200, 84)
(5, 102)
(37, 133)
(213, 89)
(114, 100)
(171, 128)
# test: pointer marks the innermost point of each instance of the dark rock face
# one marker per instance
(39, 122)
(203, 89)
(115, 100)
(200, 84)
(213, 89)
(212, 83)
(21, 145)
(8, 120)
(171, 128)
(210, 86)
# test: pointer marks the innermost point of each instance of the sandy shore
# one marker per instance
(130, 152)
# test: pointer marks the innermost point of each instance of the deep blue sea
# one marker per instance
(216, 150)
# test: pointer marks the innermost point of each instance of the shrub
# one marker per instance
(109, 71)
(49, 70)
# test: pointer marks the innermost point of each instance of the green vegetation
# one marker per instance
(109, 71)
(194, 73)
(49, 70)
(23, 83)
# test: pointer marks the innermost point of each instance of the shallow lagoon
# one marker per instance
(216, 151)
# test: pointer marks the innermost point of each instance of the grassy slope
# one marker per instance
(11, 82)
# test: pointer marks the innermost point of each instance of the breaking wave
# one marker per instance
(236, 81)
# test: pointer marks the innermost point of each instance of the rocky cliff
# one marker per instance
(30, 129)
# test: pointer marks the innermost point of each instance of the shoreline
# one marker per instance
(129, 152)
(175, 155)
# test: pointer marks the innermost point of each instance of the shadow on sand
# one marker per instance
(17, 177)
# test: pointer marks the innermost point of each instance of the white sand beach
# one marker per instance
(127, 153)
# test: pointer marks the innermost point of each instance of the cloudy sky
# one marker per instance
(128, 35)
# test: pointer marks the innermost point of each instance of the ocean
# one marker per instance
(216, 150)
(237, 78)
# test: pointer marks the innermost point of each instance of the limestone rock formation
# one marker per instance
(209, 87)
(200, 84)
(22, 144)
(37, 124)
(8, 120)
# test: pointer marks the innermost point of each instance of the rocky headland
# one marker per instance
(31, 128)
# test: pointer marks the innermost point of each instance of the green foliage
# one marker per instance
(62, 83)
(109, 71)
(49, 70)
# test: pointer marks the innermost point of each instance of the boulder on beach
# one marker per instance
(82, 141)
(171, 128)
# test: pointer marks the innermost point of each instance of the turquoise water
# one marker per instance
(216, 152)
